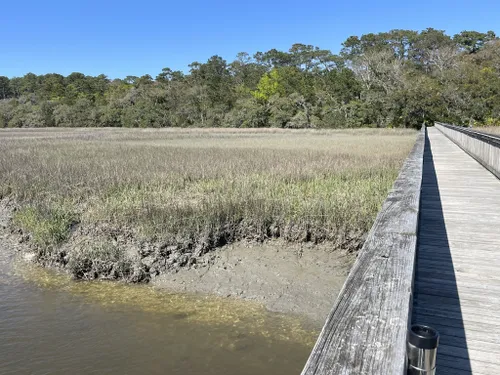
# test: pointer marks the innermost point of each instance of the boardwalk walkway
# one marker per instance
(457, 282)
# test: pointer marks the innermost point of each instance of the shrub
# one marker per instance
(92, 261)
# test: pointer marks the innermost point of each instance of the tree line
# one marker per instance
(399, 78)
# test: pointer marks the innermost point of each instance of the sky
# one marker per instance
(120, 38)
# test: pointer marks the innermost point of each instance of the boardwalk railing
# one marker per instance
(482, 147)
(365, 333)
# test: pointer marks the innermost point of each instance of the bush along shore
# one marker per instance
(132, 204)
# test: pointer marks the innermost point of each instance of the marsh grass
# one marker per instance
(195, 189)
(50, 225)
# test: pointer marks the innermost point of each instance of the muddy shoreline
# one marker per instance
(302, 279)
(286, 278)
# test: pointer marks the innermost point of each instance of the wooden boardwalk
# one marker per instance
(457, 281)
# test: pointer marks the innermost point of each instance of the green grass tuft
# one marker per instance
(48, 225)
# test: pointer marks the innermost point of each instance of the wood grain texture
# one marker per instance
(457, 283)
(365, 333)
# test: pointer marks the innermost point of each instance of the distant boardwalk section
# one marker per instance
(485, 148)
(457, 284)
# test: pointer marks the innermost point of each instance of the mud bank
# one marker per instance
(299, 279)
(302, 279)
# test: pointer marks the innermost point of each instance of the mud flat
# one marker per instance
(298, 279)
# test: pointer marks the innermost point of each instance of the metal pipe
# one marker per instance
(422, 347)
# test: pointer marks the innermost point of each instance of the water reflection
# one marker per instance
(50, 324)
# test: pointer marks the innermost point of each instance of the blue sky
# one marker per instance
(120, 38)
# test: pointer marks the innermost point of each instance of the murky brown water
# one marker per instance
(52, 325)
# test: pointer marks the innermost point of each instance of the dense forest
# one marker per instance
(399, 78)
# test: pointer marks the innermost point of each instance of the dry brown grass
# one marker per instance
(199, 188)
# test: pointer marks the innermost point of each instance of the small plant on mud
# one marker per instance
(104, 261)
(48, 226)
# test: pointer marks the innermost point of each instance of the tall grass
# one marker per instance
(196, 189)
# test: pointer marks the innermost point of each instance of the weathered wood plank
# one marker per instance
(457, 284)
(465, 297)
(473, 344)
(481, 356)
(365, 333)
(433, 238)
(471, 258)
(443, 370)
(464, 316)
(464, 364)
(449, 327)
(478, 309)
(437, 268)
(461, 246)
(481, 290)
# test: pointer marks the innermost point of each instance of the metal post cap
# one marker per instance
(423, 337)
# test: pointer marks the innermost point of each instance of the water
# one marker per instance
(50, 324)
